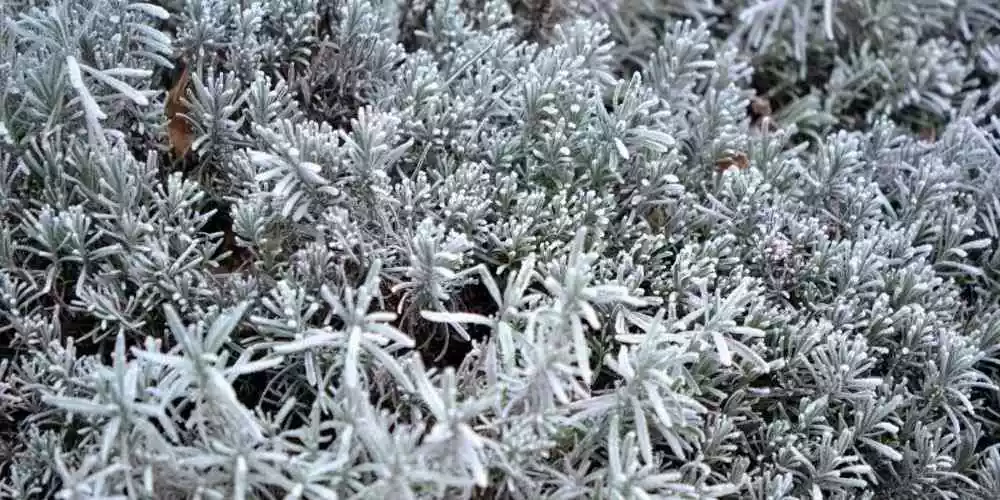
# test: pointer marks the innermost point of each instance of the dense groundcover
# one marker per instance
(478, 249)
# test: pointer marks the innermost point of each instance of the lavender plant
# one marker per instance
(456, 249)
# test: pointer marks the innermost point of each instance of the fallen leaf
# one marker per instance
(738, 160)
(760, 107)
(179, 130)
(760, 114)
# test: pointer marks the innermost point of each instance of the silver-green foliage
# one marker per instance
(660, 323)
(849, 62)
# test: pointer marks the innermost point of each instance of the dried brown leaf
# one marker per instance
(760, 107)
(179, 130)
(738, 160)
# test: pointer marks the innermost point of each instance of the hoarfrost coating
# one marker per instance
(491, 249)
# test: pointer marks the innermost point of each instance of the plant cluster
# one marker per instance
(534, 249)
